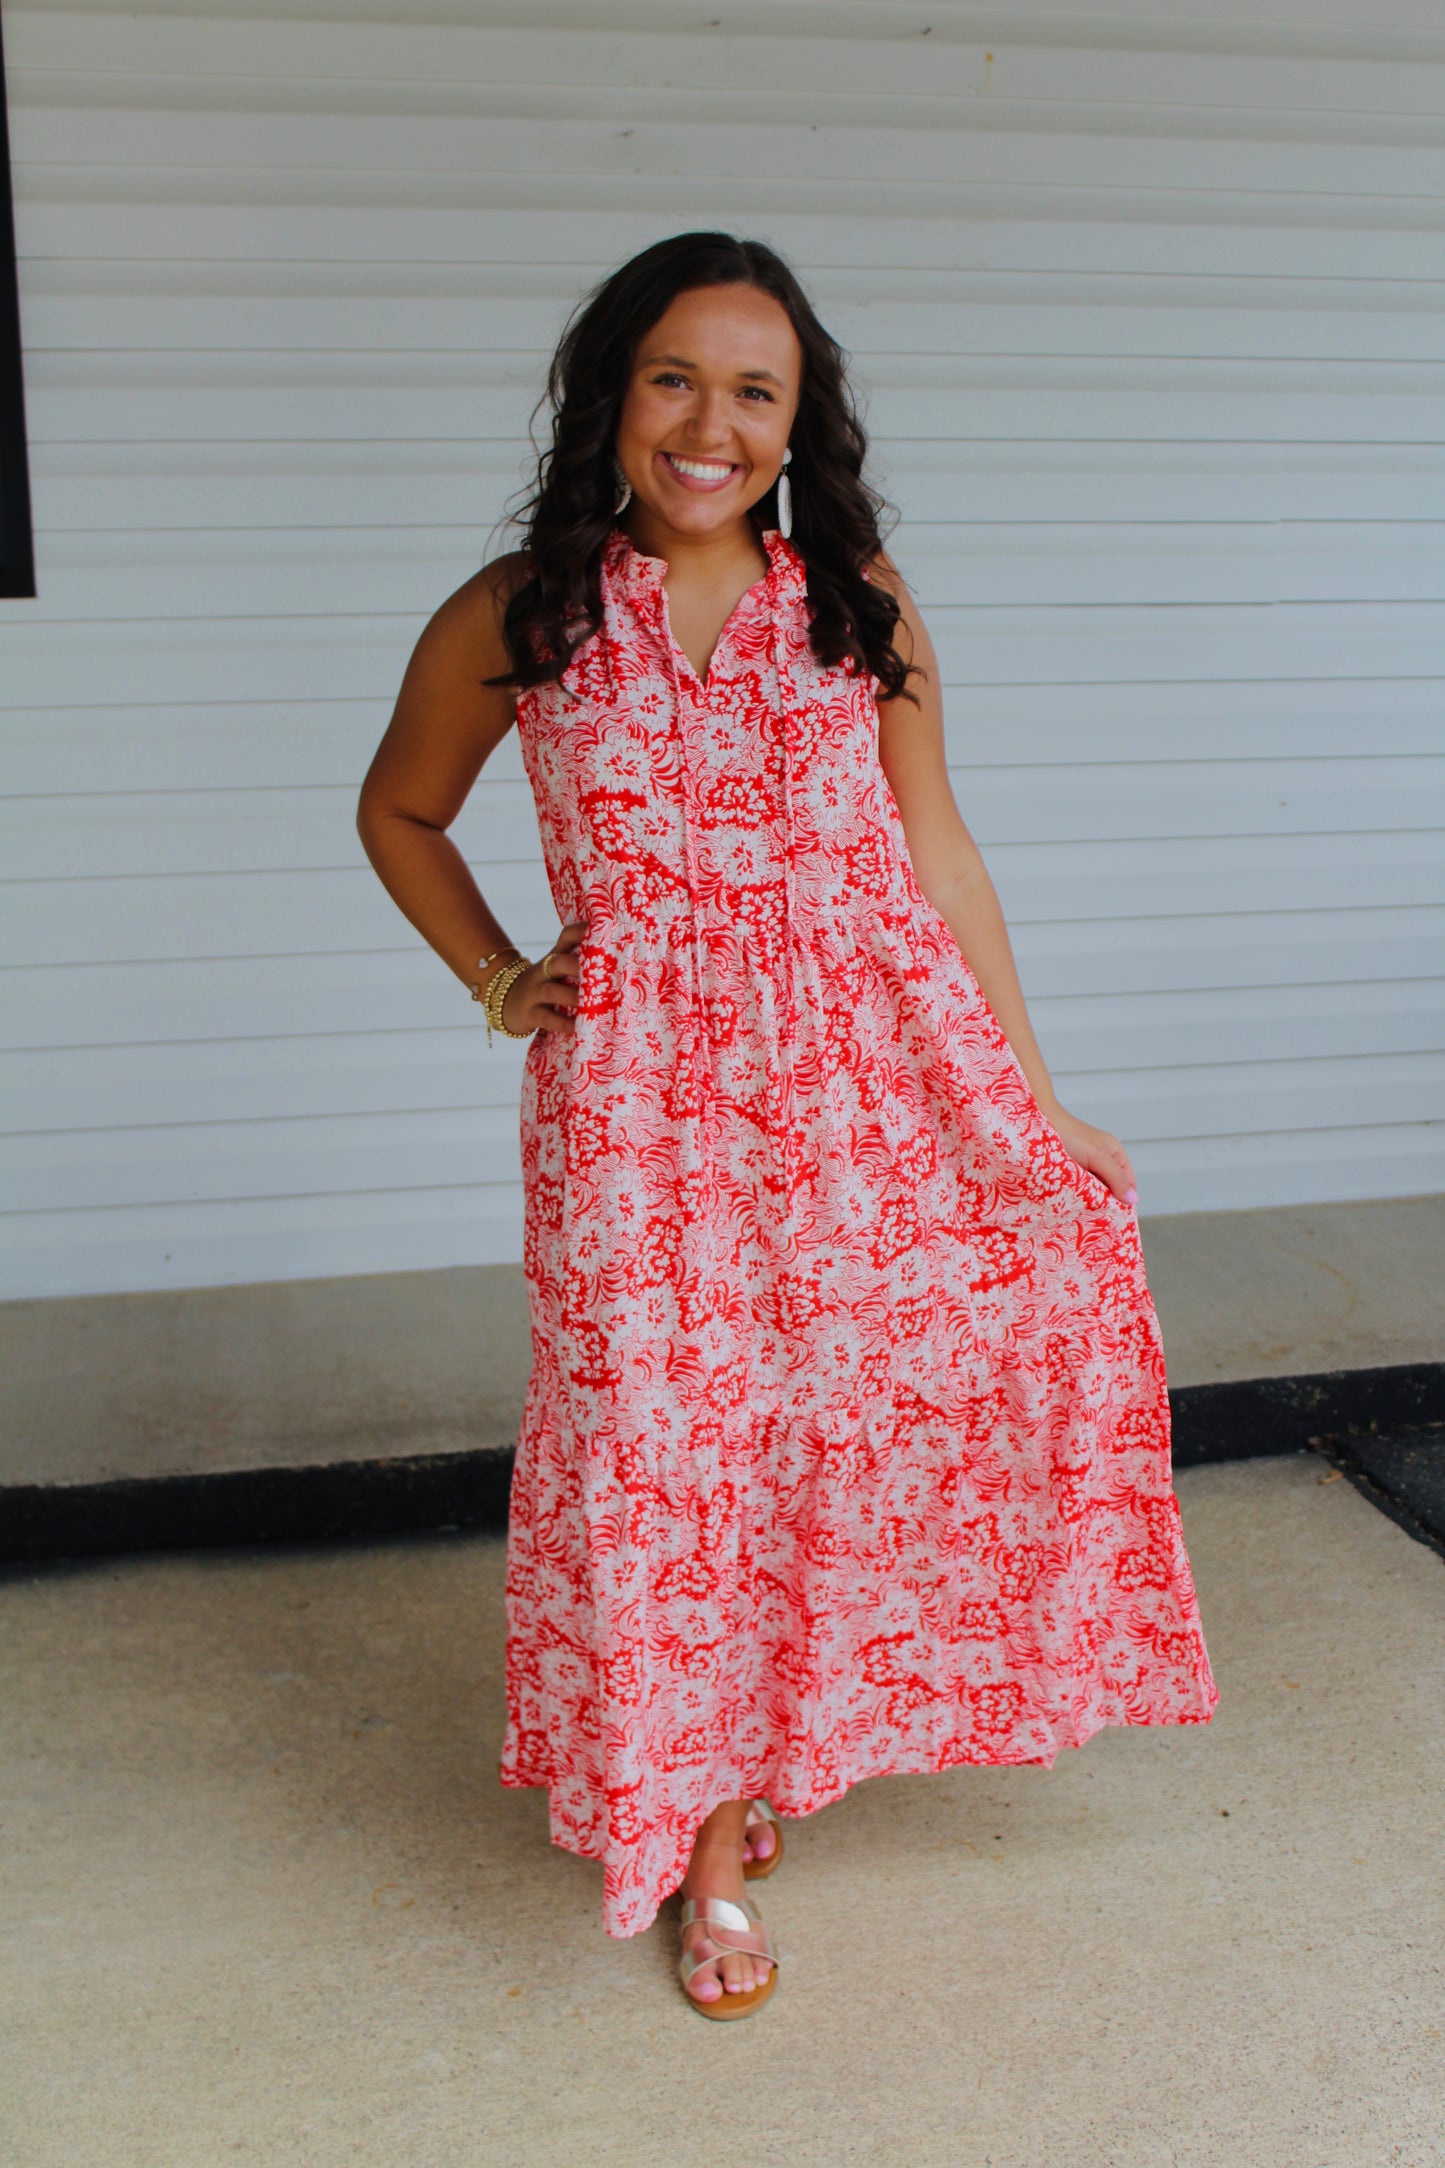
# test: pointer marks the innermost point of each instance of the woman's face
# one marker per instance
(707, 411)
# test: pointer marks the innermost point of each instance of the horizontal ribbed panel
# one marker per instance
(1145, 307)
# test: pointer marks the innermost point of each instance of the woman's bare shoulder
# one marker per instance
(885, 572)
(913, 641)
(465, 634)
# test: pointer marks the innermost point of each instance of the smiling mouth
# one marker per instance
(701, 473)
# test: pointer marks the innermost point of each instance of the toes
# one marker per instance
(735, 1974)
(704, 1986)
(760, 1841)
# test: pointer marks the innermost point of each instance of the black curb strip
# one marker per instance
(1336, 1452)
(1241, 1420)
(322, 1504)
(1250, 1417)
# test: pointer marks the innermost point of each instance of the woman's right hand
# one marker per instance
(544, 997)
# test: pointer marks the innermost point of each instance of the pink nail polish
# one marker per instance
(1131, 1195)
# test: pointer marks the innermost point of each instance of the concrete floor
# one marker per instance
(1292, 1289)
(266, 1902)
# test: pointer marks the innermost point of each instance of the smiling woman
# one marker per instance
(650, 375)
(846, 1448)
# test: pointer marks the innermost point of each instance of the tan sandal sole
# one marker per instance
(729, 2006)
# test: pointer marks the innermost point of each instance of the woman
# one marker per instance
(846, 1448)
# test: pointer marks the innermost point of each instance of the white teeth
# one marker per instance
(698, 469)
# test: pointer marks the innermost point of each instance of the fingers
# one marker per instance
(1102, 1154)
(545, 996)
(1112, 1176)
(1117, 1170)
(535, 1003)
(563, 964)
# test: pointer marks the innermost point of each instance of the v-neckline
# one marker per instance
(703, 680)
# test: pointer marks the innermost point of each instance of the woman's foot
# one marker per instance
(716, 1870)
(762, 1841)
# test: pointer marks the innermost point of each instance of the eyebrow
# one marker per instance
(753, 376)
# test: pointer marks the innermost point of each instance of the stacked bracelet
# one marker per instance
(497, 990)
(494, 991)
(478, 991)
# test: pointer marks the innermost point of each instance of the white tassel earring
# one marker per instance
(624, 490)
(785, 497)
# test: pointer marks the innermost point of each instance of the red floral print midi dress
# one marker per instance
(846, 1447)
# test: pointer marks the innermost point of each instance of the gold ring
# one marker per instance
(545, 961)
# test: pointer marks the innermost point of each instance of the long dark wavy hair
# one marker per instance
(568, 514)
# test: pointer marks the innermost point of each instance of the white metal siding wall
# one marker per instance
(1147, 308)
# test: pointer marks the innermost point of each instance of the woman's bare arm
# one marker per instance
(447, 722)
(950, 870)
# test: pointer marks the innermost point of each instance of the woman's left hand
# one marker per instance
(1095, 1149)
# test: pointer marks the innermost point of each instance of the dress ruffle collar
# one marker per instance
(636, 574)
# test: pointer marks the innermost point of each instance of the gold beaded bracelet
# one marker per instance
(494, 992)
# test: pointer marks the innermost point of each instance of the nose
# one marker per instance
(710, 424)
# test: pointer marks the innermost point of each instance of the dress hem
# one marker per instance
(796, 1807)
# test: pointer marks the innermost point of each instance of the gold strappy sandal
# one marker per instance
(730, 1929)
(757, 1870)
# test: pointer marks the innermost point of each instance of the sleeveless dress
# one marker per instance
(846, 1449)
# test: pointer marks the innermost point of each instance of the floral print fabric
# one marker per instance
(846, 1447)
